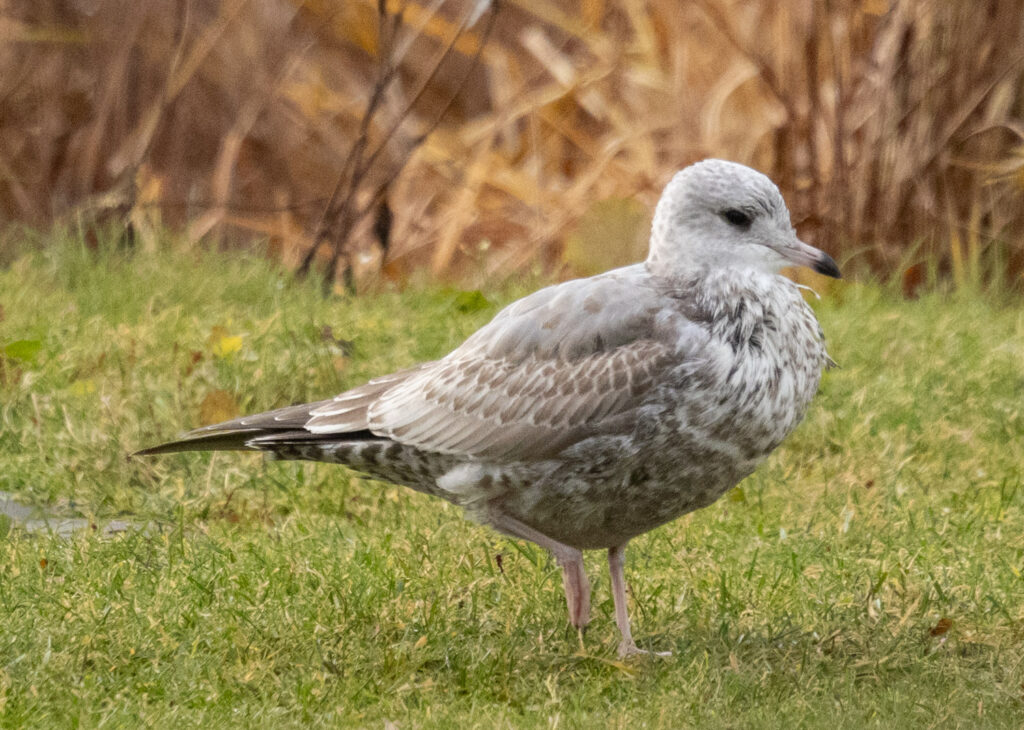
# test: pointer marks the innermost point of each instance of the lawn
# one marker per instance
(868, 575)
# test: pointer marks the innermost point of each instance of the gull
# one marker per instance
(597, 409)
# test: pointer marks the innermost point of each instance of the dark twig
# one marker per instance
(386, 72)
(421, 138)
(341, 214)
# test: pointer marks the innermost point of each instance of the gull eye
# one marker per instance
(737, 218)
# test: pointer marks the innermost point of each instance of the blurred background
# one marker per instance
(478, 140)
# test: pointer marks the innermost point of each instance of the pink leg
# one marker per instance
(616, 566)
(577, 590)
(574, 577)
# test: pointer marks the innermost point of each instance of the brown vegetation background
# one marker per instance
(478, 140)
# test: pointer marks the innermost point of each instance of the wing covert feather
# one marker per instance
(551, 369)
(564, 363)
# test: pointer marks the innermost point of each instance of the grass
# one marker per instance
(869, 575)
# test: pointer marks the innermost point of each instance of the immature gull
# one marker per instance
(595, 410)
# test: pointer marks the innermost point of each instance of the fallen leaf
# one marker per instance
(223, 344)
(470, 301)
(227, 346)
(82, 388)
(217, 406)
(912, 280)
(9, 373)
(193, 359)
(24, 350)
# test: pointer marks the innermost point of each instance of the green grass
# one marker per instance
(280, 594)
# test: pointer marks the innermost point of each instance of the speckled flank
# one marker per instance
(385, 460)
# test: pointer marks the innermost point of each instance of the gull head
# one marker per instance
(719, 214)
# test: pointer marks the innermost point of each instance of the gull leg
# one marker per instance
(577, 589)
(616, 567)
(574, 577)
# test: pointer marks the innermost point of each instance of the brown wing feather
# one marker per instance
(548, 371)
(348, 411)
(495, 410)
(558, 366)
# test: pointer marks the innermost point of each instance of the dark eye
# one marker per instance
(737, 217)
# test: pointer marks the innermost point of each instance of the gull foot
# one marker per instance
(628, 649)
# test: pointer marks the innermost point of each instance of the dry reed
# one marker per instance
(486, 135)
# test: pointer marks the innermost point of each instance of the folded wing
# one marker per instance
(565, 363)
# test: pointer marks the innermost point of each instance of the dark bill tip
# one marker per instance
(827, 265)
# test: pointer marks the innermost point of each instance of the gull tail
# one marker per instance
(289, 429)
(216, 441)
(243, 434)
